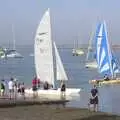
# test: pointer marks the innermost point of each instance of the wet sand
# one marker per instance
(52, 112)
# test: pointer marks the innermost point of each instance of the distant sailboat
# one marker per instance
(90, 58)
(76, 50)
(12, 53)
(48, 64)
(106, 61)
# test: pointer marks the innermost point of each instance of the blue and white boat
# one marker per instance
(106, 61)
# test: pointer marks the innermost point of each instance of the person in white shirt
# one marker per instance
(11, 88)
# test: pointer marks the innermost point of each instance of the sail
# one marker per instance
(104, 55)
(90, 53)
(61, 74)
(43, 50)
(115, 65)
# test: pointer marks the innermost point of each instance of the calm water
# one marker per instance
(78, 75)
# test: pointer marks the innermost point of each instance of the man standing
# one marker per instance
(94, 98)
(11, 88)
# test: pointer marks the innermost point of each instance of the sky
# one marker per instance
(70, 19)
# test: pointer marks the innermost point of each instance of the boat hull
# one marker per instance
(113, 81)
(91, 65)
(54, 93)
(77, 52)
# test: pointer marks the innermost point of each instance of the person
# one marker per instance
(2, 86)
(11, 88)
(46, 85)
(34, 87)
(63, 89)
(106, 78)
(38, 83)
(15, 82)
(94, 98)
(19, 88)
(23, 90)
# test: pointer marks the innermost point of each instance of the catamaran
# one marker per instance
(48, 64)
(90, 58)
(106, 61)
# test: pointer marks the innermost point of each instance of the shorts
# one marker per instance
(34, 88)
(62, 89)
(19, 90)
(22, 90)
(11, 90)
(94, 101)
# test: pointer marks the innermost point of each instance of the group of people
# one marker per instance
(36, 84)
(11, 88)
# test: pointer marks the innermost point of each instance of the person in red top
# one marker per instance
(34, 86)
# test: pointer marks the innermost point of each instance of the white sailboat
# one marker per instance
(12, 53)
(90, 58)
(77, 51)
(106, 61)
(48, 64)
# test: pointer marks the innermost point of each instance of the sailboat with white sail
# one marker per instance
(12, 53)
(90, 58)
(106, 61)
(48, 64)
(76, 50)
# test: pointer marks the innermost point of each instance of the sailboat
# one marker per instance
(48, 64)
(90, 58)
(77, 51)
(106, 61)
(12, 53)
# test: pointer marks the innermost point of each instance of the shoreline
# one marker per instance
(51, 112)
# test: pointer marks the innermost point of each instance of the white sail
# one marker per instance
(43, 50)
(90, 58)
(61, 74)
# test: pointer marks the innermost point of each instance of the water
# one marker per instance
(78, 75)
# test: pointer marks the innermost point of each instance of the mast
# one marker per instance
(89, 46)
(13, 36)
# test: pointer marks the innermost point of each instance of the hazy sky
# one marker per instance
(71, 19)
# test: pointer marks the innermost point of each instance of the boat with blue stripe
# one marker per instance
(107, 63)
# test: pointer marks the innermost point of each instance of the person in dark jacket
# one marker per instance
(94, 98)
(63, 89)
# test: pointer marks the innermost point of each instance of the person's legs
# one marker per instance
(10, 92)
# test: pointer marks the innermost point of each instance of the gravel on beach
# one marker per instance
(52, 112)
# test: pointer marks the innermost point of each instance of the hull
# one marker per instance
(77, 52)
(14, 56)
(91, 65)
(54, 93)
(113, 81)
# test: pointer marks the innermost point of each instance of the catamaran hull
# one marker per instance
(113, 81)
(50, 92)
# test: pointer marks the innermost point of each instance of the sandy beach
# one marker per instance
(52, 112)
